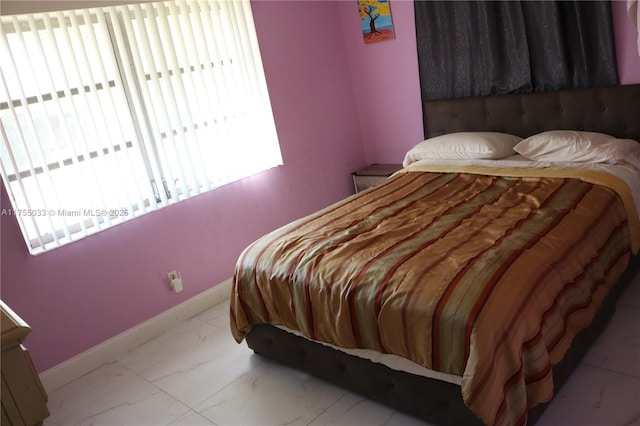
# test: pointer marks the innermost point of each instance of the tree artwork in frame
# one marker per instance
(375, 17)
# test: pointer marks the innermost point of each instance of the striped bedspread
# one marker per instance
(482, 276)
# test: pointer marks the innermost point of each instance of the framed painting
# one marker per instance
(375, 17)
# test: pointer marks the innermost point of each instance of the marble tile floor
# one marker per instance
(195, 374)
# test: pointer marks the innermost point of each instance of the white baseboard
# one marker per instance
(105, 352)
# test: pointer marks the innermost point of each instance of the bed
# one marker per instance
(376, 295)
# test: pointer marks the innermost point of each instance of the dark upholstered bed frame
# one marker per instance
(613, 110)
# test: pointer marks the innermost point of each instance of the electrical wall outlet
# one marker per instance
(175, 279)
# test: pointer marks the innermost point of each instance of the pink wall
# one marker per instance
(626, 44)
(79, 295)
(338, 104)
(386, 84)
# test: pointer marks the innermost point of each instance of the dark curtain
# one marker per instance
(474, 48)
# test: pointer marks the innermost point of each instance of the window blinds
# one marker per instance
(114, 112)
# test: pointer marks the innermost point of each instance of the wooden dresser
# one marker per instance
(24, 400)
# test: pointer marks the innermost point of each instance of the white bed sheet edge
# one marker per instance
(395, 362)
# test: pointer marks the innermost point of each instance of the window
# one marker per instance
(110, 113)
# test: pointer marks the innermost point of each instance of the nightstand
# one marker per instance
(373, 175)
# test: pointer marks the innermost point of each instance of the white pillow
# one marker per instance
(464, 145)
(576, 147)
(633, 159)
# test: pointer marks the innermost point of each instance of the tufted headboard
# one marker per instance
(614, 110)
